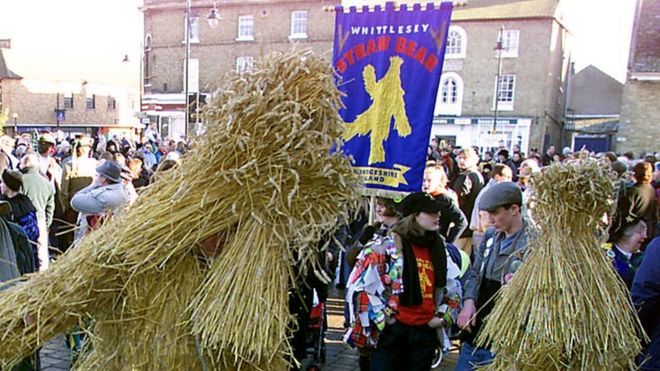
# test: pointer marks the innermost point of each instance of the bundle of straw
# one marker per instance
(261, 179)
(566, 308)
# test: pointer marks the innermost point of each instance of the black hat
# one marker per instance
(620, 222)
(110, 170)
(419, 202)
(500, 194)
(13, 179)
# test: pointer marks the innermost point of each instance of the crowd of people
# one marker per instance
(56, 190)
(428, 271)
(424, 275)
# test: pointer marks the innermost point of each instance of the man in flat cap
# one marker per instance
(497, 258)
(100, 199)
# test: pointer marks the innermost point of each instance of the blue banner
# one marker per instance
(389, 63)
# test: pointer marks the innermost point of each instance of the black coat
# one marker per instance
(467, 186)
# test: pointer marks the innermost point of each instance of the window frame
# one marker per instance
(463, 40)
(69, 99)
(505, 105)
(194, 29)
(509, 51)
(112, 103)
(298, 35)
(91, 99)
(449, 108)
(242, 19)
(246, 61)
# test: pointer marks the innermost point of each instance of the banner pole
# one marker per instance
(372, 207)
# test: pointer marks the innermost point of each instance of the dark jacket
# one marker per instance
(25, 257)
(42, 194)
(624, 266)
(452, 220)
(646, 297)
(467, 186)
(24, 214)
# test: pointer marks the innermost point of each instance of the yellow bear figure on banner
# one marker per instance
(387, 102)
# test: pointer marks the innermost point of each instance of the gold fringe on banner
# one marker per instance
(456, 4)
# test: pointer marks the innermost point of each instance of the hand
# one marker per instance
(467, 318)
(507, 278)
(390, 320)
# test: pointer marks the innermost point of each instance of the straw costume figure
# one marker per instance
(566, 307)
(259, 191)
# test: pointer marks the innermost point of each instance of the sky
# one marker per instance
(76, 40)
(73, 40)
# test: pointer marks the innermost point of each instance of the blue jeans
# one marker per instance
(472, 357)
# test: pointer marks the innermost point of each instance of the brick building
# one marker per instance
(247, 30)
(640, 107)
(70, 107)
(532, 83)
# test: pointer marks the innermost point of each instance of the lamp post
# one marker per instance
(499, 47)
(213, 19)
(15, 116)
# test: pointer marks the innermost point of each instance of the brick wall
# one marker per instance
(640, 117)
(218, 49)
(38, 107)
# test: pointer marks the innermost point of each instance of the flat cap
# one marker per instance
(500, 194)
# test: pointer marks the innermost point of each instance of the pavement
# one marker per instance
(55, 356)
(339, 357)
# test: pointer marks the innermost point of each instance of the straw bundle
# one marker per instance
(262, 180)
(566, 308)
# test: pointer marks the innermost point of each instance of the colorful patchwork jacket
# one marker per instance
(373, 290)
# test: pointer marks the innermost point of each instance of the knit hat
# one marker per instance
(13, 179)
(110, 170)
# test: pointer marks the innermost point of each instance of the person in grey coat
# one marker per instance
(42, 194)
(497, 258)
(100, 199)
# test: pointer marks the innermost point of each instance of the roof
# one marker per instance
(6, 73)
(505, 9)
(645, 45)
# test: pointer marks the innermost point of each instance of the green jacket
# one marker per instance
(42, 194)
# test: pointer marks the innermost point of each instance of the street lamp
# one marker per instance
(213, 19)
(499, 47)
(15, 116)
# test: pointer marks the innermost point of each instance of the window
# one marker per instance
(91, 104)
(456, 42)
(243, 64)
(68, 101)
(509, 40)
(112, 104)
(450, 95)
(245, 28)
(193, 74)
(194, 29)
(507, 87)
(299, 24)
